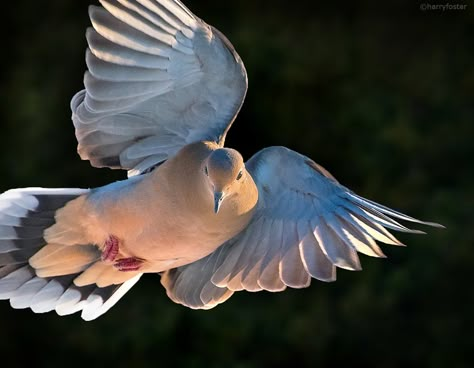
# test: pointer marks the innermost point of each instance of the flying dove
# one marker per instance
(161, 92)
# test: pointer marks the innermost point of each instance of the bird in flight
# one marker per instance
(161, 92)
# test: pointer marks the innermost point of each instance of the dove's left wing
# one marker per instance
(158, 79)
(306, 225)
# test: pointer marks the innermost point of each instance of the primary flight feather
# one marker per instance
(161, 92)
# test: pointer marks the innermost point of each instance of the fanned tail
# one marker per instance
(39, 275)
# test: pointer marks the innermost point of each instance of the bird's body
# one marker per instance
(161, 92)
(157, 218)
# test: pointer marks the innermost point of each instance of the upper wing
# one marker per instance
(306, 225)
(159, 78)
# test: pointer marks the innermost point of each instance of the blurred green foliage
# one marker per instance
(381, 94)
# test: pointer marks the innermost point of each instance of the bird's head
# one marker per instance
(225, 171)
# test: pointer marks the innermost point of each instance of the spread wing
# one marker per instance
(306, 225)
(158, 78)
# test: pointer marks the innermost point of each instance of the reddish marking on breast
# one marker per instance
(111, 249)
(128, 264)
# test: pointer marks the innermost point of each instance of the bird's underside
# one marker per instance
(162, 90)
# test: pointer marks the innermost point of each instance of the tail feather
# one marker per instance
(45, 300)
(26, 290)
(23, 296)
(57, 260)
(10, 245)
(41, 275)
(6, 270)
(14, 278)
(16, 256)
(73, 299)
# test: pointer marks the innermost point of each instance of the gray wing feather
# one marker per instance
(191, 285)
(339, 253)
(158, 78)
(269, 277)
(306, 225)
(292, 270)
(315, 262)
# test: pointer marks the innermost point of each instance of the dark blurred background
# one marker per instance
(379, 94)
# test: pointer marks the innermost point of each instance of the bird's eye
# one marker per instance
(205, 171)
(239, 176)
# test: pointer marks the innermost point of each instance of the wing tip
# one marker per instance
(435, 225)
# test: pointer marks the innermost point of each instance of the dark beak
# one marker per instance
(218, 197)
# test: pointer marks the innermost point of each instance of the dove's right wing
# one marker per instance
(159, 78)
(306, 224)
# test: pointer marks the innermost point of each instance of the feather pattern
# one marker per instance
(25, 215)
(25, 290)
(306, 225)
(157, 74)
(161, 81)
(191, 285)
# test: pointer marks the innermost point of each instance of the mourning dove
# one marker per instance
(161, 91)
